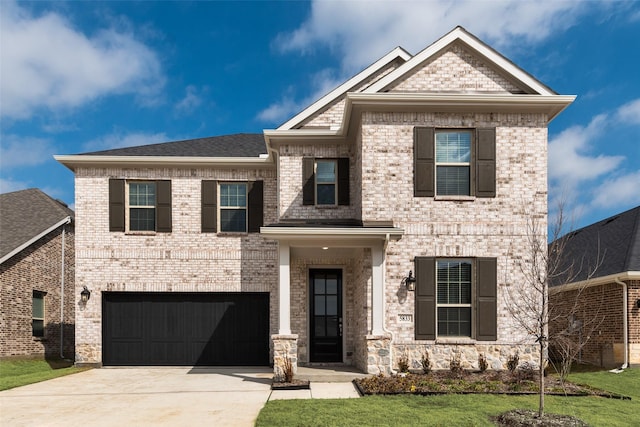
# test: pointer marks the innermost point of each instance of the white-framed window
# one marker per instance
(326, 173)
(37, 321)
(453, 297)
(453, 162)
(233, 207)
(141, 207)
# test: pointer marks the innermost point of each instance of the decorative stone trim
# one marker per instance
(378, 354)
(284, 346)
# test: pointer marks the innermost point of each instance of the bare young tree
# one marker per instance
(543, 264)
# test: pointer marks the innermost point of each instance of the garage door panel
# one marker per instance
(211, 329)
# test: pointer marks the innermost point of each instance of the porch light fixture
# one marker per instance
(410, 282)
(85, 294)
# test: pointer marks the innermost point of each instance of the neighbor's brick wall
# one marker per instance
(455, 70)
(184, 260)
(38, 268)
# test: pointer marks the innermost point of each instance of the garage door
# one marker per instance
(188, 329)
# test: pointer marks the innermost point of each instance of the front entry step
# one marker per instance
(328, 374)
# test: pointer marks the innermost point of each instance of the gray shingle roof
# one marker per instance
(616, 240)
(25, 214)
(236, 145)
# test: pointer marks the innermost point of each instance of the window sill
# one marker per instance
(456, 198)
(327, 206)
(232, 233)
(140, 233)
(455, 340)
(41, 339)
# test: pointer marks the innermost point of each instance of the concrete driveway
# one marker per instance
(141, 396)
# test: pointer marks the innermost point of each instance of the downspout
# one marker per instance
(62, 289)
(625, 326)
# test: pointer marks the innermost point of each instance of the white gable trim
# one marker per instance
(74, 161)
(460, 33)
(396, 53)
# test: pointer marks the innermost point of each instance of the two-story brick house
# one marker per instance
(379, 221)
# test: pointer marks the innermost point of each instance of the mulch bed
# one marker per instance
(526, 418)
(488, 382)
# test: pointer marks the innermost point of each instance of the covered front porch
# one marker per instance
(331, 296)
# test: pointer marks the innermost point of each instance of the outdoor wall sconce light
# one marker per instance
(85, 294)
(410, 282)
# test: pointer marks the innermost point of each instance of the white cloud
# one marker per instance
(622, 190)
(9, 185)
(190, 102)
(569, 159)
(360, 32)
(321, 83)
(119, 140)
(49, 63)
(23, 151)
(630, 112)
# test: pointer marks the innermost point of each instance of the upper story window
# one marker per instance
(453, 163)
(140, 206)
(325, 182)
(37, 321)
(233, 207)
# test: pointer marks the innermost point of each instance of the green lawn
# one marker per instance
(460, 410)
(15, 373)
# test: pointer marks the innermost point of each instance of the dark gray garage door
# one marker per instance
(186, 329)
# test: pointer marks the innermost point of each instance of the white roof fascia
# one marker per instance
(398, 52)
(71, 161)
(460, 34)
(29, 242)
(627, 275)
(325, 233)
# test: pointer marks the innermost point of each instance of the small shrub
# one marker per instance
(425, 361)
(512, 362)
(482, 362)
(403, 363)
(455, 364)
(287, 369)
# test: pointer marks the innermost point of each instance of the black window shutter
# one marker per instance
(486, 299)
(425, 298)
(116, 205)
(308, 181)
(423, 162)
(486, 162)
(343, 181)
(163, 208)
(209, 202)
(255, 206)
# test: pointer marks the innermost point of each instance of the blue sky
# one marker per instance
(86, 76)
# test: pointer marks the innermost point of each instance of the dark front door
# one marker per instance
(326, 315)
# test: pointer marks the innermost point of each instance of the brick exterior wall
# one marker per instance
(184, 260)
(38, 268)
(599, 308)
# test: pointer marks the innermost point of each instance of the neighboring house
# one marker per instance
(605, 285)
(37, 287)
(298, 242)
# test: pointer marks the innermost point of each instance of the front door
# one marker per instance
(326, 315)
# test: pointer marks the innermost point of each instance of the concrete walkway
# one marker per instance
(164, 396)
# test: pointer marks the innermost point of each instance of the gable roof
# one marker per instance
(614, 241)
(235, 145)
(477, 46)
(25, 217)
(397, 54)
